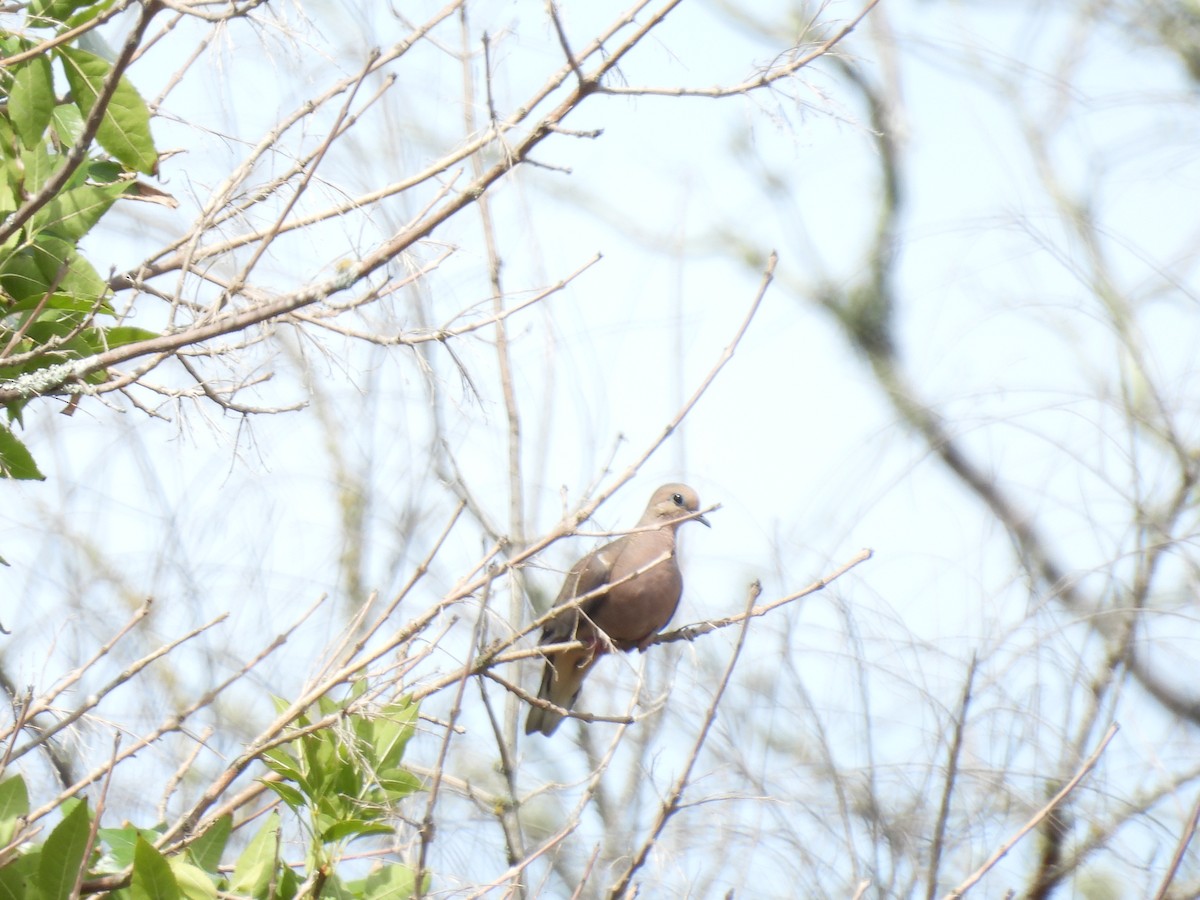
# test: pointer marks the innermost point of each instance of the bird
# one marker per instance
(629, 615)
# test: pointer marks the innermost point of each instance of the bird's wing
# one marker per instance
(588, 574)
(564, 672)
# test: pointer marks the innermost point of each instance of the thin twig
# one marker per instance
(1080, 774)
(684, 633)
(93, 700)
(533, 700)
(72, 678)
(691, 632)
(1185, 838)
(184, 767)
(64, 37)
(759, 81)
(311, 170)
(426, 831)
(952, 756)
(671, 805)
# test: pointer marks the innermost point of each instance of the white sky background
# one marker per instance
(210, 515)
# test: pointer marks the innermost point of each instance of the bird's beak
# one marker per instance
(703, 521)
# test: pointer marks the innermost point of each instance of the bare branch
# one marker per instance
(1080, 774)
(671, 805)
(1185, 838)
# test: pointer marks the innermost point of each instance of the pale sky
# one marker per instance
(794, 440)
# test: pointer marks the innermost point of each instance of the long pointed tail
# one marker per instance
(562, 680)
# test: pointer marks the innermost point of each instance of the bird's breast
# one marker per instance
(642, 606)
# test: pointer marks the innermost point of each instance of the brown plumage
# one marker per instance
(629, 615)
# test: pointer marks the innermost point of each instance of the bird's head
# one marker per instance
(674, 503)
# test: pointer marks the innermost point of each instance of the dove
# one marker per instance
(626, 616)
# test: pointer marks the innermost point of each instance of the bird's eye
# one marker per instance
(678, 498)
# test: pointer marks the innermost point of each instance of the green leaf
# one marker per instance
(327, 706)
(39, 165)
(16, 461)
(357, 689)
(71, 214)
(17, 877)
(81, 281)
(288, 794)
(152, 876)
(193, 883)
(14, 803)
(282, 763)
(258, 861)
(206, 850)
(28, 273)
(120, 844)
(354, 828)
(57, 324)
(125, 129)
(90, 11)
(392, 882)
(319, 755)
(8, 135)
(68, 124)
(122, 335)
(104, 171)
(49, 13)
(333, 888)
(62, 854)
(391, 730)
(288, 886)
(22, 276)
(347, 781)
(31, 103)
(61, 302)
(399, 783)
(8, 199)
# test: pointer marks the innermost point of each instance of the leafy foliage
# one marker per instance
(345, 780)
(54, 306)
